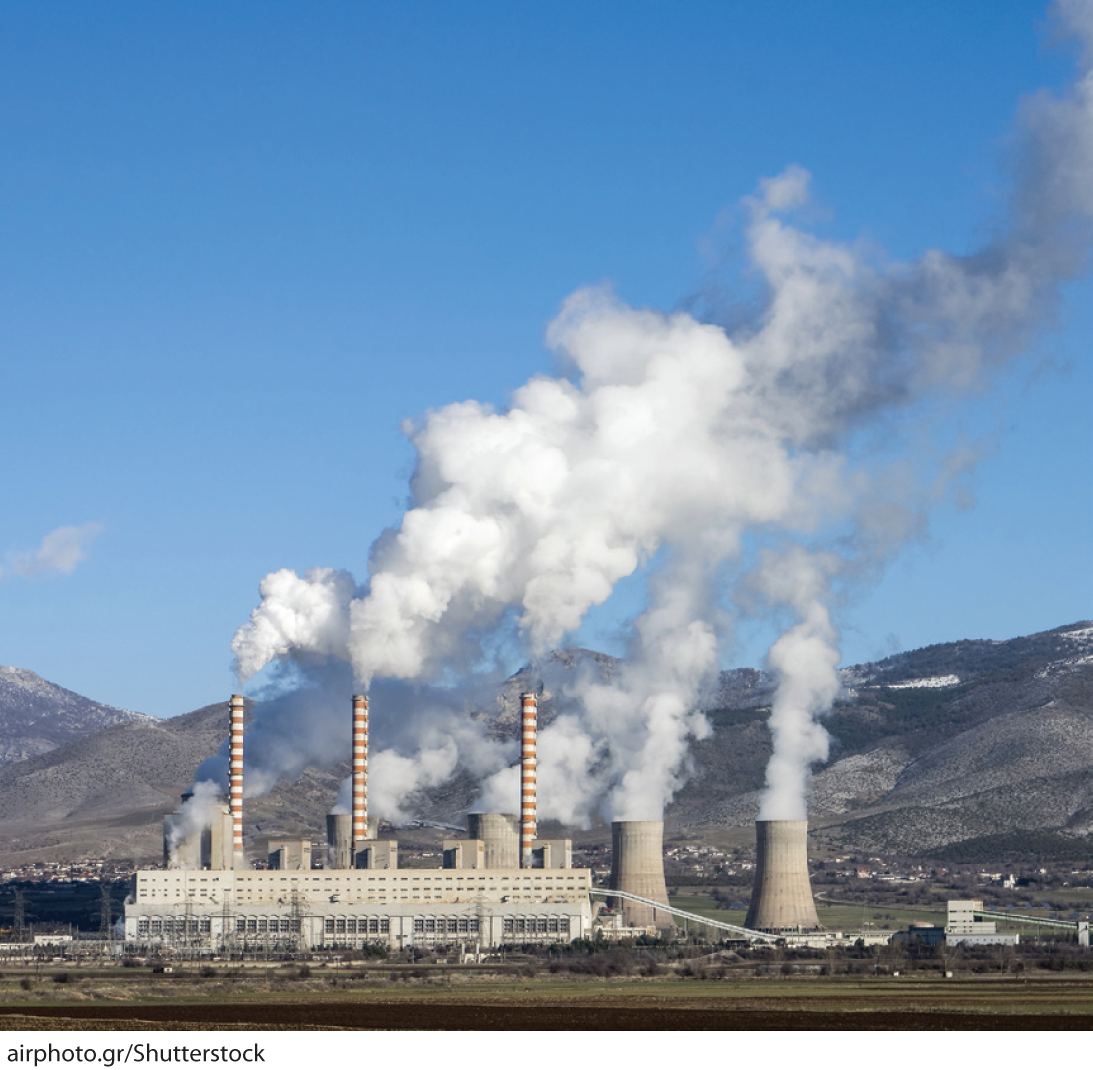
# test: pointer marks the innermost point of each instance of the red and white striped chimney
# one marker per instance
(235, 775)
(528, 804)
(360, 774)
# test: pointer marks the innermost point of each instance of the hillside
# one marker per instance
(37, 716)
(930, 748)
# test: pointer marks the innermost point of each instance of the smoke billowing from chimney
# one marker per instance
(719, 461)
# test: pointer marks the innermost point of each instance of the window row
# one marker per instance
(173, 926)
(267, 925)
(542, 924)
(445, 925)
(356, 925)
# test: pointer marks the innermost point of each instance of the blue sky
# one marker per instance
(240, 243)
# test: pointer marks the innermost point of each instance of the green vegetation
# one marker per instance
(731, 718)
(1018, 847)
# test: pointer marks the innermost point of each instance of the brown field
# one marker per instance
(110, 1002)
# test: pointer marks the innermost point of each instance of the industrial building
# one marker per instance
(500, 885)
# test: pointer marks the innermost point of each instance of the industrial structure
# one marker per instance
(637, 867)
(501, 885)
(781, 898)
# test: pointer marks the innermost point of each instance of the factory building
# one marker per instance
(500, 885)
(348, 908)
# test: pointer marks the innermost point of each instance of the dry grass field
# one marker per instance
(465, 1000)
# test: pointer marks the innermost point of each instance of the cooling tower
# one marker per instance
(637, 867)
(339, 841)
(500, 837)
(529, 806)
(782, 896)
(235, 778)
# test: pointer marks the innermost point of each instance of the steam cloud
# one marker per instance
(723, 462)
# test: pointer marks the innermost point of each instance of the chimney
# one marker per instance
(235, 777)
(781, 898)
(528, 805)
(360, 774)
(637, 867)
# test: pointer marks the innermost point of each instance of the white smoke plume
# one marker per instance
(686, 448)
(423, 735)
(195, 814)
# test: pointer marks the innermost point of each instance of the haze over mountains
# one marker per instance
(931, 748)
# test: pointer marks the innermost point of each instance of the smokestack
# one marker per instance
(235, 777)
(360, 773)
(637, 867)
(528, 804)
(782, 896)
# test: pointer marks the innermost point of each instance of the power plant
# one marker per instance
(502, 884)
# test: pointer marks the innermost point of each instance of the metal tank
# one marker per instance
(637, 867)
(782, 896)
(500, 835)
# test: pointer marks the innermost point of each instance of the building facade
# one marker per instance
(300, 909)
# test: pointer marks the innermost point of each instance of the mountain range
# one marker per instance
(933, 750)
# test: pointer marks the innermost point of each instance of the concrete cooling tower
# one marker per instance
(500, 836)
(339, 841)
(637, 867)
(782, 896)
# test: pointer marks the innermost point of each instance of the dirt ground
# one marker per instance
(456, 1016)
(914, 1005)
